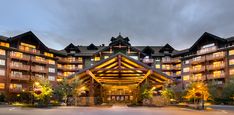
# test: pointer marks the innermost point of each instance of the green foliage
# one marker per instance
(197, 90)
(46, 91)
(145, 92)
(65, 89)
(168, 93)
(228, 90)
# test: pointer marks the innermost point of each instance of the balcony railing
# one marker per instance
(212, 76)
(207, 50)
(197, 61)
(39, 69)
(65, 60)
(147, 60)
(36, 78)
(43, 61)
(215, 57)
(18, 90)
(167, 68)
(21, 57)
(20, 66)
(176, 67)
(19, 77)
(215, 67)
(29, 50)
(197, 70)
(171, 60)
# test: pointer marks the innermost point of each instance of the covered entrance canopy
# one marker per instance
(118, 78)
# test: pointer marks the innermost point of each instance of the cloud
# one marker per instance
(145, 22)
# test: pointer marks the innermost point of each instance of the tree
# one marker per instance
(228, 90)
(66, 89)
(168, 93)
(42, 91)
(197, 90)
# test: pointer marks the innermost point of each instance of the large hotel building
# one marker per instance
(116, 70)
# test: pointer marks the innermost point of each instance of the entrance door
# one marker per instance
(120, 98)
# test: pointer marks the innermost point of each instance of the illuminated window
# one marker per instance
(178, 65)
(217, 73)
(178, 72)
(52, 70)
(2, 72)
(71, 59)
(186, 62)
(231, 52)
(134, 57)
(231, 71)
(15, 86)
(97, 59)
(4, 44)
(186, 77)
(197, 67)
(197, 76)
(186, 69)
(157, 66)
(168, 73)
(2, 62)
(52, 62)
(27, 45)
(2, 85)
(105, 57)
(80, 66)
(51, 78)
(231, 62)
(166, 66)
(2, 52)
(48, 54)
(80, 59)
(59, 65)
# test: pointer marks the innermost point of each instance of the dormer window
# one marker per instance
(166, 52)
(72, 52)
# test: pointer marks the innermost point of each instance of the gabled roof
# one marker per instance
(92, 47)
(29, 36)
(207, 37)
(3, 38)
(119, 39)
(71, 47)
(148, 50)
(167, 47)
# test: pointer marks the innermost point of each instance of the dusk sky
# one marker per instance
(146, 22)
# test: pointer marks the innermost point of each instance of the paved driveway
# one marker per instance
(115, 110)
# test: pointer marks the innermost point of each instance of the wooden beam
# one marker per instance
(92, 75)
(146, 75)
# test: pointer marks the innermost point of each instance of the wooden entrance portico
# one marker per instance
(118, 79)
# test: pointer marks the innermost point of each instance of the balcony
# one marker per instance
(212, 76)
(198, 78)
(36, 78)
(39, 60)
(147, 60)
(17, 90)
(167, 68)
(29, 50)
(71, 69)
(176, 67)
(19, 77)
(19, 56)
(215, 67)
(39, 69)
(66, 60)
(197, 60)
(20, 67)
(171, 60)
(207, 50)
(197, 70)
(215, 57)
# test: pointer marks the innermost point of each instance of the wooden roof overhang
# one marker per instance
(121, 70)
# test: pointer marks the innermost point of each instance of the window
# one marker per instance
(2, 62)
(16, 86)
(178, 72)
(231, 52)
(52, 62)
(51, 78)
(157, 66)
(134, 57)
(186, 77)
(157, 60)
(168, 73)
(97, 58)
(72, 52)
(80, 66)
(80, 59)
(217, 73)
(186, 62)
(2, 52)
(2, 85)
(2, 72)
(231, 62)
(48, 54)
(52, 70)
(4, 44)
(186, 69)
(105, 57)
(231, 71)
(208, 45)
(197, 76)
(41, 76)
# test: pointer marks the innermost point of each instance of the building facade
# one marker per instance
(24, 58)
